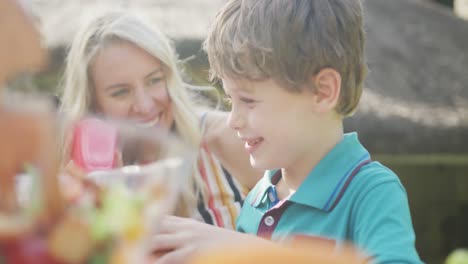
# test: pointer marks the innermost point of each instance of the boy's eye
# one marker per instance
(247, 100)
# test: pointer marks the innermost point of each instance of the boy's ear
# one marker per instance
(327, 87)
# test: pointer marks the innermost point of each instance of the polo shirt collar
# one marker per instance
(264, 186)
(323, 185)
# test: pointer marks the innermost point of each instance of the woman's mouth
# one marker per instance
(151, 123)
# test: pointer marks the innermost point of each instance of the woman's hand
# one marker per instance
(71, 181)
(74, 171)
(74, 182)
(179, 239)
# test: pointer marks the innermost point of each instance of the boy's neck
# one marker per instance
(293, 177)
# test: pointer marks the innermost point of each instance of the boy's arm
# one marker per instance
(180, 239)
(383, 225)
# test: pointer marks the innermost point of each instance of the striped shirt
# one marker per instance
(224, 194)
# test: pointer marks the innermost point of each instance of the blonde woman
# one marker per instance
(121, 66)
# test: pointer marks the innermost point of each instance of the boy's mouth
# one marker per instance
(252, 144)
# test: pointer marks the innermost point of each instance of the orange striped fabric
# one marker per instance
(224, 195)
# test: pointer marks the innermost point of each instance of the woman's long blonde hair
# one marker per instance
(78, 94)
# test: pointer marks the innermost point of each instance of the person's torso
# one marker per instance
(224, 195)
(260, 216)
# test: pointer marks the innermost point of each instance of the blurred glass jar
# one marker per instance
(30, 200)
(130, 177)
(119, 206)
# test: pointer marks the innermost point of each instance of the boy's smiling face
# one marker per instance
(277, 126)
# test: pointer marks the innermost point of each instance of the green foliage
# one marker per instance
(459, 256)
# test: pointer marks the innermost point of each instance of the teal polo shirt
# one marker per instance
(346, 197)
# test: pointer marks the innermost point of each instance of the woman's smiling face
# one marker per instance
(129, 83)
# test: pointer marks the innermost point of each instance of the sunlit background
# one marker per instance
(413, 113)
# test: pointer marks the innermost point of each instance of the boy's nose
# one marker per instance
(235, 120)
(142, 101)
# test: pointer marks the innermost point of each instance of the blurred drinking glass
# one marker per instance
(132, 175)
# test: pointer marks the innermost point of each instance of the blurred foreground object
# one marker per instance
(20, 43)
(459, 256)
(37, 225)
(118, 211)
(461, 8)
(26, 139)
(123, 200)
(299, 252)
(27, 134)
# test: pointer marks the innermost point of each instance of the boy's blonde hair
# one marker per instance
(112, 27)
(288, 40)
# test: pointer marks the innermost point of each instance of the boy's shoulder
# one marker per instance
(374, 174)
(373, 184)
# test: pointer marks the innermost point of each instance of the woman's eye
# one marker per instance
(154, 81)
(119, 93)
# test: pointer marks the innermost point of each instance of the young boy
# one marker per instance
(293, 70)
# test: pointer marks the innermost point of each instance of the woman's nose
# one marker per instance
(142, 101)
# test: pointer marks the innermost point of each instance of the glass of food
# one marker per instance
(131, 176)
(128, 177)
(30, 198)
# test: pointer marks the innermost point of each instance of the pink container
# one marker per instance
(94, 145)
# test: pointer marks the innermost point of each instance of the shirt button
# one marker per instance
(269, 220)
(272, 197)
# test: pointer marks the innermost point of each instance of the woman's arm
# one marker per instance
(229, 149)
